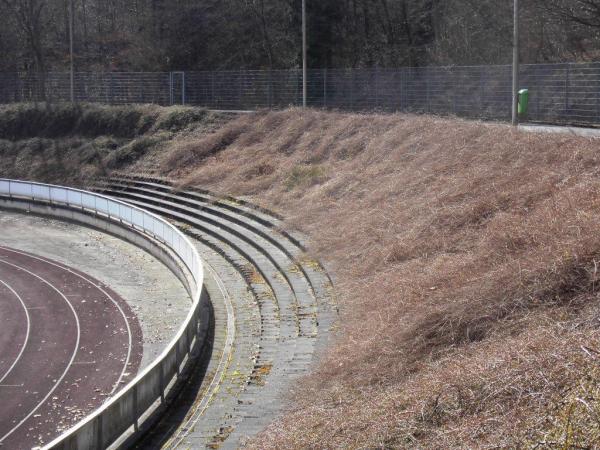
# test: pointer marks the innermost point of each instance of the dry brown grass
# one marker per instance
(466, 260)
(73, 144)
(466, 264)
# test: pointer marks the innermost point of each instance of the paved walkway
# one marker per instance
(67, 343)
(556, 129)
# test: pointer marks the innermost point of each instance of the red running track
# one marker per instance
(67, 342)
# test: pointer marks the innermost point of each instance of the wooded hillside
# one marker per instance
(231, 34)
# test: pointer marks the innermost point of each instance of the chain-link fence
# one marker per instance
(559, 93)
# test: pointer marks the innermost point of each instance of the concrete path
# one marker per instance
(555, 129)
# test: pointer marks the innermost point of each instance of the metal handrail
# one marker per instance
(110, 421)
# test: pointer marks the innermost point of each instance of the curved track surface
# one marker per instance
(67, 343)
(273, 309)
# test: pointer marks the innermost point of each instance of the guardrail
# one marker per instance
(125, 409)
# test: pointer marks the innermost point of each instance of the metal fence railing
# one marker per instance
(559, 93)
(127, 408)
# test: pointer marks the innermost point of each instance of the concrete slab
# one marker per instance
(555, 129)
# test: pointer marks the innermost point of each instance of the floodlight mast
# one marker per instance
(71, 19)
(515, 73)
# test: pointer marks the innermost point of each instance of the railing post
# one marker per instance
(136, 414)
(100, 431)
(161, 380)
(177, 358)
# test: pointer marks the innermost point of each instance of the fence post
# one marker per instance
(567, 88)
(183, 88)
(399, 107)
(270, 90)
(296, 81)
(170, 88)
(482, 91)
(377, 87)
(325, 88)
(537, 93)
(111, 87)
(352, 89)
(426, 78)
(455, 85)
(597, 101)
(212, 89)
(240, 80)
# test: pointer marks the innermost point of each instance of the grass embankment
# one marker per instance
(70, 144)
(466, 261)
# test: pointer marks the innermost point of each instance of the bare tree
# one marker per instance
(28, 16)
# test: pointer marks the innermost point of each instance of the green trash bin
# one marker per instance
(523, 102)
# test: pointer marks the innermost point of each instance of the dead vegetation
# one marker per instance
(71, 144)
(466, 261)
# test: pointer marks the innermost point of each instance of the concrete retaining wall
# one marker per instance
(130, 410)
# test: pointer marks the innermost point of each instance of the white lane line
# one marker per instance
(129, 334)
(26, 335)
(215, 383)
(72, 356)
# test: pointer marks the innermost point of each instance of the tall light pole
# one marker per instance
(515, 74)
(71, 19)
(304, 68)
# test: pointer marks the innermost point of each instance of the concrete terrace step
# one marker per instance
(282, 303)
(211, 204)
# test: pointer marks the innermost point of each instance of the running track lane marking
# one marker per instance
(72, 356)
(129, 337)
(26, 335)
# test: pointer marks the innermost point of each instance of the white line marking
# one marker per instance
(67, 269)
(26, 335)
(72, 356)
